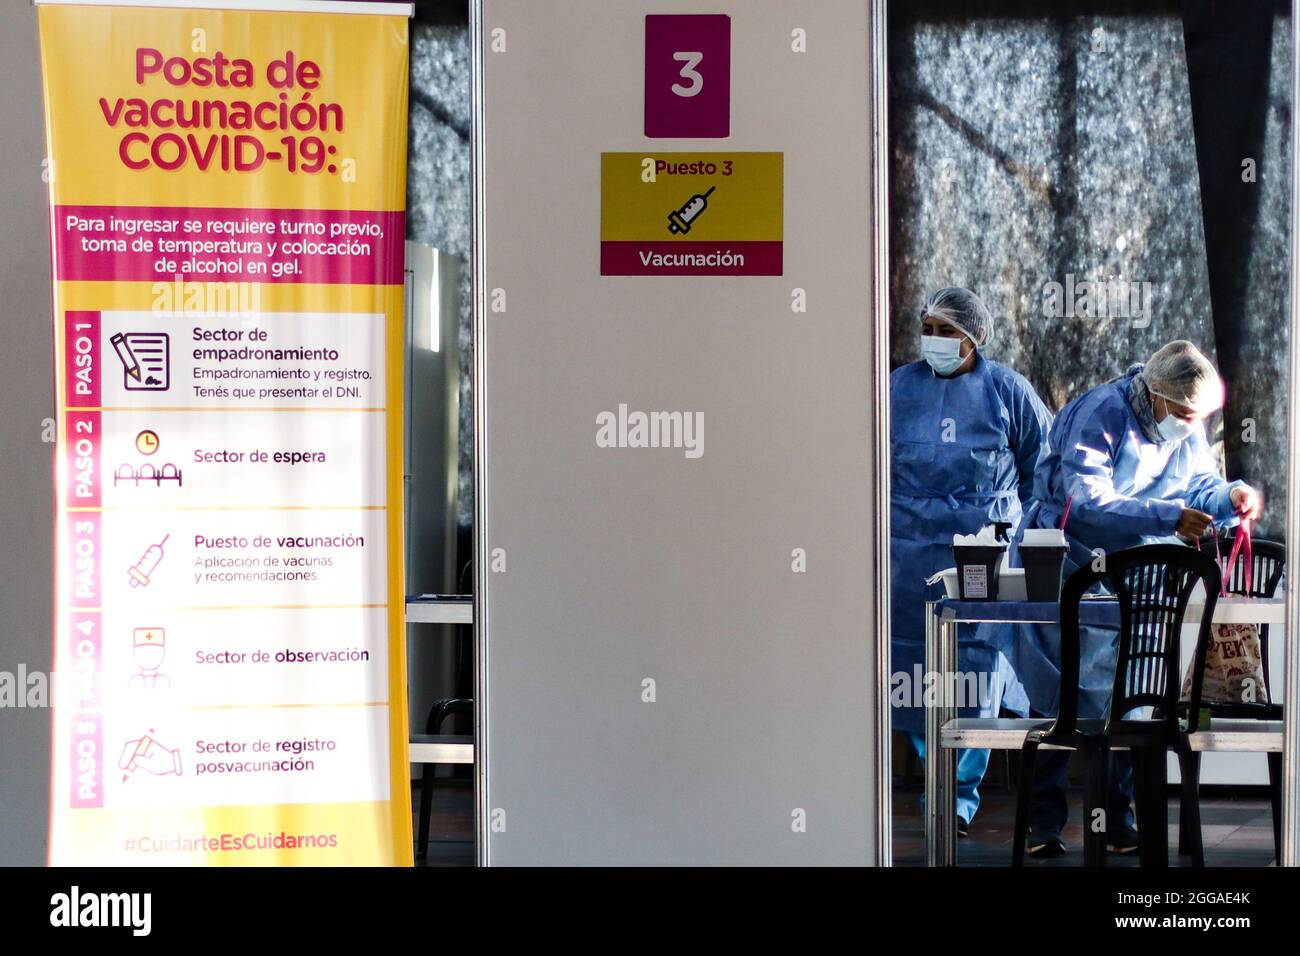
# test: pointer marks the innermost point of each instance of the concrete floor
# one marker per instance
(1236, 829)
(451, 824)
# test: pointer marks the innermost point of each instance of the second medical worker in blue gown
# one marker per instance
(1134, 456)
(966, 437)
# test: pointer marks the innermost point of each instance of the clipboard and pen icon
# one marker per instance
(146, 360)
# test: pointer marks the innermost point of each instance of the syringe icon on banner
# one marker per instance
(140, 572)
(679, 220)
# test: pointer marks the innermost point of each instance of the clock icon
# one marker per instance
(146, 442)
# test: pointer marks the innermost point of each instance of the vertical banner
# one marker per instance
(228, 217)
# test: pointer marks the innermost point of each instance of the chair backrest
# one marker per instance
(1268, 566)
(1153, 585)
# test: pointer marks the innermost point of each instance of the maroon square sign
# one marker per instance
(687, 75)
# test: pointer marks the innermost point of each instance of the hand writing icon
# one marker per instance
(147, 754)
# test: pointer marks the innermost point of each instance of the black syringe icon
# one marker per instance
(679, 221)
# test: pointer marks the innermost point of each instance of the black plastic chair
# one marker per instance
(1153, 585)
(1268, 566)
(440, 711)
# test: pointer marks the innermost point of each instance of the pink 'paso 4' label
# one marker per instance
(83, 669)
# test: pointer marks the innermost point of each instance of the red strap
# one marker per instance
(1248, 553)
(1240, 546)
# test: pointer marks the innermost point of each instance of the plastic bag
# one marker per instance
(1234, 659)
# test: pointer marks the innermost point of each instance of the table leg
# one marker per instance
(933, 818)
(940, 763)
(948, 757)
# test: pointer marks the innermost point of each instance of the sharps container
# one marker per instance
(977, 570)
(1042, 551)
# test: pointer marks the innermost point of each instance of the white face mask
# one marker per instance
(1172, 428)
(943, 353)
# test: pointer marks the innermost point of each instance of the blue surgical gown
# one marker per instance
(965, 450)
(1128, 490)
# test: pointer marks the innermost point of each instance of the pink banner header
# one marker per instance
(160, 243)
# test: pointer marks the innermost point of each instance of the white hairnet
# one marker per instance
(1179, 373)
(962, 309)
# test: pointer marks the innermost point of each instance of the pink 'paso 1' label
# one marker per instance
(81, 361)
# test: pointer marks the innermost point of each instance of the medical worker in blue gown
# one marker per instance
(967, 435)
(1134, 456)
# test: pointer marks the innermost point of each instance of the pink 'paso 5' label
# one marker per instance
(87, 757)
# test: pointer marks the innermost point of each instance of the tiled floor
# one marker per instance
(1236, 830)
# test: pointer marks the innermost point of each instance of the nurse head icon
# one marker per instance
(150, 649)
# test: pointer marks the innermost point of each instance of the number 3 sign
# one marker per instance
(687, 75)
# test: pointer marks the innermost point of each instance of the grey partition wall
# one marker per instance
(26, 445)
(679, 538)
